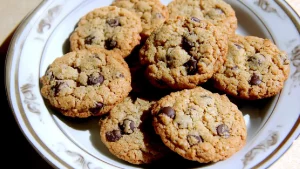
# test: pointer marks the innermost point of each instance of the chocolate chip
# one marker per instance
(238, 46)
(89, 39)
(195, 19)
(95, 110)
(56, 89)
(95, 79)
(128, 126)
(187, 45)
(255, 60)
(191, 66)
(223, 130)
(194, 139)
(169, 111)
(110, 44)
(255, 79)
(113, 22)
(50, 75)
(113, 136)
(58, 86)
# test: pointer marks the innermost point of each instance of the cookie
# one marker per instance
(128, 134)
(255, 68)
(218, 12)
(199, 125)
(86, 82)
(152, 13)
(110, 28)
(140, 86)
(186, 8)
(183, 53)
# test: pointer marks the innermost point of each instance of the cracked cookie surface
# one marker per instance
(110, 28)
(128, 134)
(255, 68)
(199, 125)
(152, 13)
(183, 53)
(86, 82)
(217, 12)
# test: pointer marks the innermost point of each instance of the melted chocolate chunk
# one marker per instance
(113, 136)
(191, 66)
(168, 111)
(255, 79)
(194, 139)
(58, 86)
(187, 45)
(89, 39)
(255, 60)
(223, 130)
(113, 22)
(50, 75)
(110, 44)
(95, 110)
(95, 79)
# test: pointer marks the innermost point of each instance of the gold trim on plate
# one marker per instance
(289, 13)
(297, 124)
(8, 63)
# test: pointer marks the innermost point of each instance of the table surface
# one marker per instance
(11, 14)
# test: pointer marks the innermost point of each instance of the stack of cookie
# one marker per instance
(142, 64)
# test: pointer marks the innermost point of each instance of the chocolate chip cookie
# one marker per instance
(110, 28)
(86, 82)
(255, 68)
(140, 85)
(199, 125)
(152, 13)
(217, 12)
(128, 134)
(183, 53)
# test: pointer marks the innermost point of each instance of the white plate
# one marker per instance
(43, 36)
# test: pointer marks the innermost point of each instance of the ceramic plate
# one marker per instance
(272, 123)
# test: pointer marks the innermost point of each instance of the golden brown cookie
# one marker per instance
(109, 28)
(255, 68)
(86, 82)
(128, 134)
(218, 12)
(200, 125)
(152, 13)
(183, 53)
